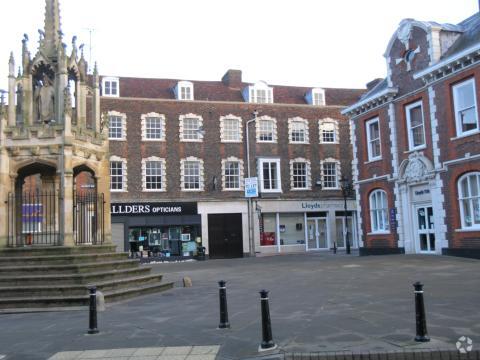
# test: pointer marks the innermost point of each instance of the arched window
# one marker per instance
(469, 199)
(379, 211)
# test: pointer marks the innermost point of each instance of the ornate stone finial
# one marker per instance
(73, 56)
(404, 32)
(25, 53)
(2, 102)
(19, 74)
(81, 50)
(11, 65)
(52, 27)
(41, 37)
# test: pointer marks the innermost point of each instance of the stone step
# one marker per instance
(61, 259)
(56, 250)
(72, 279)
(74, 290)
(19, 303)
(67, 269)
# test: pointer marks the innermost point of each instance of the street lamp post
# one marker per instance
(346, 190)
(251, 239)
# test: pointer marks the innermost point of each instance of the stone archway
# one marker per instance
(88, 206)
(33, 208)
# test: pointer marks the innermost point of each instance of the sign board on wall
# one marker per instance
(393, 218)
(251, 187)
(153, 209)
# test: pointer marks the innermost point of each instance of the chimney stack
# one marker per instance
(233, 78)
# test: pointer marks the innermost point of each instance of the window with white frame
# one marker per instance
(300, 174)
(266, 129)
(232, 170)
(231, 128)
(192, 174)
(469, 200)
(298, 131)
(153, 169)
(269, 170)
(258, 93)
(373, 139)
(318, 97)
(330, 173)
(465, 107)
(191, 128)
(328, 131)
(415, 125)
(379, 211)
(184, 90)
(118, 174)
(117, 126)
(153, 127)
(111, 87)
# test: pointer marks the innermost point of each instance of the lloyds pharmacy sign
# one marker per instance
(152, 209)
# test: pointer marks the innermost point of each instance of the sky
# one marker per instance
(314, 43)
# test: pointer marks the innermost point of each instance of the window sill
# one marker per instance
(476, 132)
(379, 233)
(118, 191)
(329, 143)
(331, 189)
(114, 139)
(301, 189)
(192, 190)
(415, 149)
(231, 141)
(266, 142)
(299, 143)
(270, 191)
(230, 190)
(154, 191)
(467, 230)
(372, 161)
(192, 140)
(154, 140)
(111, 96)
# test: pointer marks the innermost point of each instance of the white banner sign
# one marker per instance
(251, 187)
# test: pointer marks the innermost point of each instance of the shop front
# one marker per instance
(157, 229)
(299, 226)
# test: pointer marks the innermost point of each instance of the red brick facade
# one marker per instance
(424, 62)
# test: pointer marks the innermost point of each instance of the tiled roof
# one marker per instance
(469, 37)
(218, 91)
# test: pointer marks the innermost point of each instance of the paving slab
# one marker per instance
(318, 303)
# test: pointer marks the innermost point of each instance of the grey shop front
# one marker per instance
(144, 229)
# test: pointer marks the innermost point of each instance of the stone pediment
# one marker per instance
(416, 168)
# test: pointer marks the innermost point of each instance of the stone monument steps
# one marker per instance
(60, 259)
(31, 251)
(75, 290)
(19, 303)
(72, 279)
(47, 278)
(68, 269)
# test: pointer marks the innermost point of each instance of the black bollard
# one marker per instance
(334, 247)
(92, 326)
(421, 321)
(222, 292)
(267, 340)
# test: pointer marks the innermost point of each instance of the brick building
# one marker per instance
(416, 144)
(179, 160)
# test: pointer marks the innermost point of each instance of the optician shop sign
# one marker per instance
(153, 209)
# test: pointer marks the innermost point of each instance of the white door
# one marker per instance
(317, 233)
(340, 232)
(425, 229)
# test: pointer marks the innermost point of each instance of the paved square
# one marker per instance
(318, 302)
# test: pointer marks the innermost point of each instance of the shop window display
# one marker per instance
(268, 229)
(291, 229)
(165, 241)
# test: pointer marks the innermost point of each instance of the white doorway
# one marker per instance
(425, 229)
(317, 234)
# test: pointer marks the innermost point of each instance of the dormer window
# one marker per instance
(111, 87)
(316, 97)
(259, 93)
(184, 90)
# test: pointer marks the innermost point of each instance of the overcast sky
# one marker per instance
(293, 42)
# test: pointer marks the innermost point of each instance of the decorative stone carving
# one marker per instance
(45, 100)
(404, 32)
(416, 168)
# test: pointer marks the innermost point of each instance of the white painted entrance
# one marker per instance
(317, 234)
(425, 229)
(340, 232)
